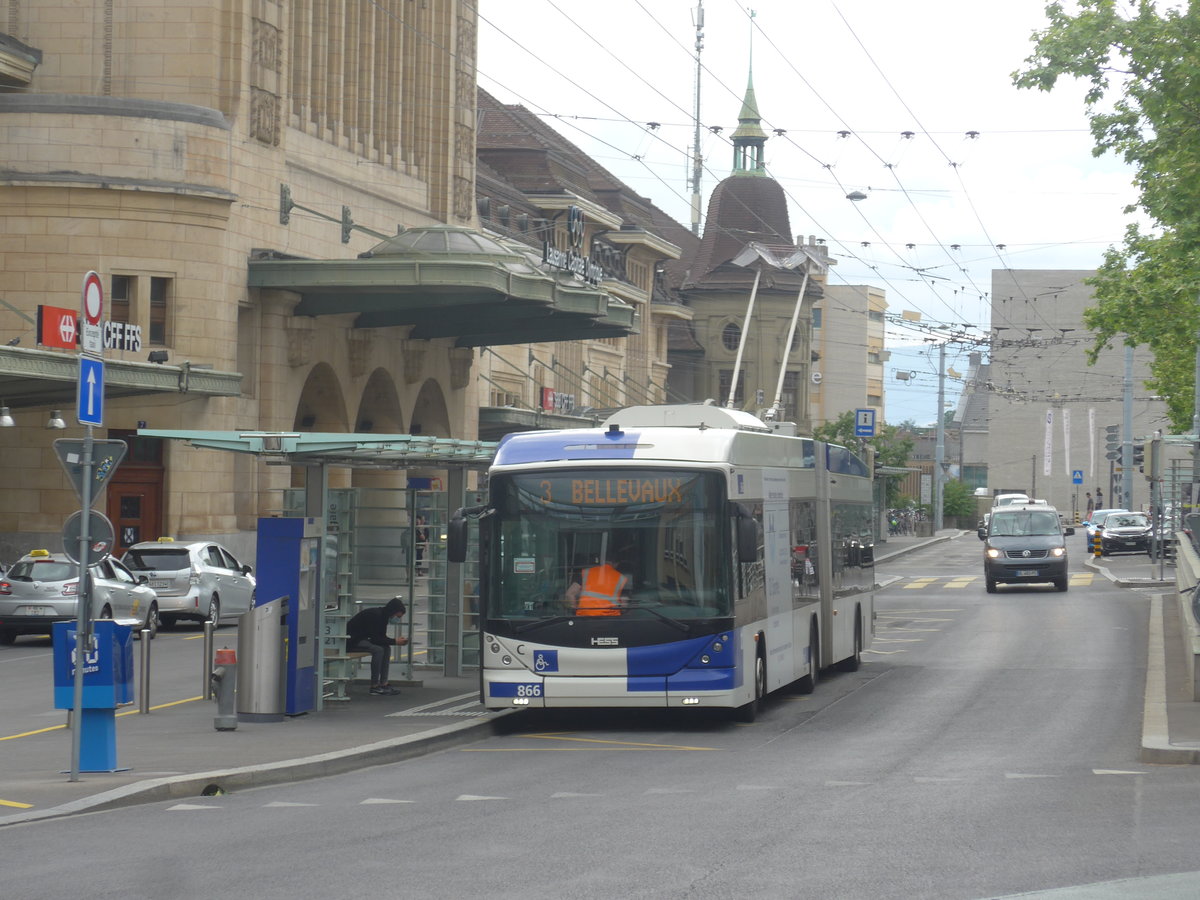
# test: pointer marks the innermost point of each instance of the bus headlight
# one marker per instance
(690, 701)
(506, 659)
(717, 647)
(705, 659)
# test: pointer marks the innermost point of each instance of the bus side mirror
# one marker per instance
(456, 538)
(745, 533)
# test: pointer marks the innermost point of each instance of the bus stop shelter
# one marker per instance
(316, 453)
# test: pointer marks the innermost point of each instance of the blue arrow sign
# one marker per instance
(89, 408)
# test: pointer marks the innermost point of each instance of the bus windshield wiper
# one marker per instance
(540, 623)
(674, 623)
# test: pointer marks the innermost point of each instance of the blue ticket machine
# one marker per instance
(289, 565)
(107, 683)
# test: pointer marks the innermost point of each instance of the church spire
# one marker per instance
(749, 139)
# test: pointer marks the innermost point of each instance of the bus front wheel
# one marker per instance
(749, 712)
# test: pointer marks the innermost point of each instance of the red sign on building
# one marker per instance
(58, 327)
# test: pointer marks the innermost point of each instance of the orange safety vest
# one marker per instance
(601, 591)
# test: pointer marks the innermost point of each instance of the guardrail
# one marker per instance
(1187, 584)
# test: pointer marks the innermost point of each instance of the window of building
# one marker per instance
(246, 349)
(875, 315)
(975, 476)
(726, 380)
(873, 357)
(160, 293)
(789, 396)
(874, 400)
(816, 316)
(120, 297)
(731, 336)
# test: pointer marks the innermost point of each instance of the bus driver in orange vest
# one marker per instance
(599, 591)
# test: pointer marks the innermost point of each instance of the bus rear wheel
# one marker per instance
(852, 662)
(808, 683)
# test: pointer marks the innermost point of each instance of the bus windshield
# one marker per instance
(665, 532)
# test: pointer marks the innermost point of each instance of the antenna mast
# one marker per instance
(697, 160)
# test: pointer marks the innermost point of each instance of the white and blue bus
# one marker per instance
(745, 553)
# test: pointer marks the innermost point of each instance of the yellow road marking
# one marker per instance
(128, 712)
(15, 805)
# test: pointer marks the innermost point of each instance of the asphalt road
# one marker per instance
(988, 746)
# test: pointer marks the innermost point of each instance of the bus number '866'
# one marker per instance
(529, 690)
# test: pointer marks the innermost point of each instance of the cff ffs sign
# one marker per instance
(58, 327)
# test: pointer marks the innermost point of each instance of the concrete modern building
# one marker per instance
(848, 348)
(1047, 407)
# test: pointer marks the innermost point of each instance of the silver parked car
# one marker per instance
(197, 580)
(42, 588)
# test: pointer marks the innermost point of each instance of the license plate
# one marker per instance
(35, 611)
(159, 583)
(1027, 573)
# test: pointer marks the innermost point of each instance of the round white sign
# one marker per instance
(93, 298)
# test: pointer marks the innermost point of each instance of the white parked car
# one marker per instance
(42, 588)
(197, 580)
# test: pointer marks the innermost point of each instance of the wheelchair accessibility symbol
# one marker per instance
(545, 661)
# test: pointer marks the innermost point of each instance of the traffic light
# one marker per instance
(1112, 441)
(1154, 472)
(1139, 456)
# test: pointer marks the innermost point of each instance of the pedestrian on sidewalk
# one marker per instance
(367, 630)
(1099, 499)
(1091, 506)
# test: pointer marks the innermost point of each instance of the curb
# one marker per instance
(337, 762)
(1156, 738)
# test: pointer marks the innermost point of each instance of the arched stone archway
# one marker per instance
(379, 413)
(321, 407)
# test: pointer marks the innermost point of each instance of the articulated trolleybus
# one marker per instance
(743, 561)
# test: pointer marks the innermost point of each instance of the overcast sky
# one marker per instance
(984, 164)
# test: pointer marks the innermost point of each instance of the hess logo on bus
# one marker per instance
(605, 642)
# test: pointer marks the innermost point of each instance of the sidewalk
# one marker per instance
(175, 752)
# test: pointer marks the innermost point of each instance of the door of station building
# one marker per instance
(134, 503)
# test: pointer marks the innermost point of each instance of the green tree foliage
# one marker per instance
(957, 499)
(1141, 65)
(890, 448)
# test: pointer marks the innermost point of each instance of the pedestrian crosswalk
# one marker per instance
(957, 582)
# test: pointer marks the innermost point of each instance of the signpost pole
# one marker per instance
(83, 620)
(91, 305)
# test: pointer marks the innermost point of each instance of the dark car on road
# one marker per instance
(1024, 545)
(1125, 532)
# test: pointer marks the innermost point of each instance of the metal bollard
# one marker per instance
(144, 674)
(207, 662)
(224, 682)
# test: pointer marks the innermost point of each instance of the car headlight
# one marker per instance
(992, 552)
(1058, 551)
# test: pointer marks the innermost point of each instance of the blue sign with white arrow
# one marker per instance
(89, 407)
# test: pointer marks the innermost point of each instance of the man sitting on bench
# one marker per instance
(367, 630)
